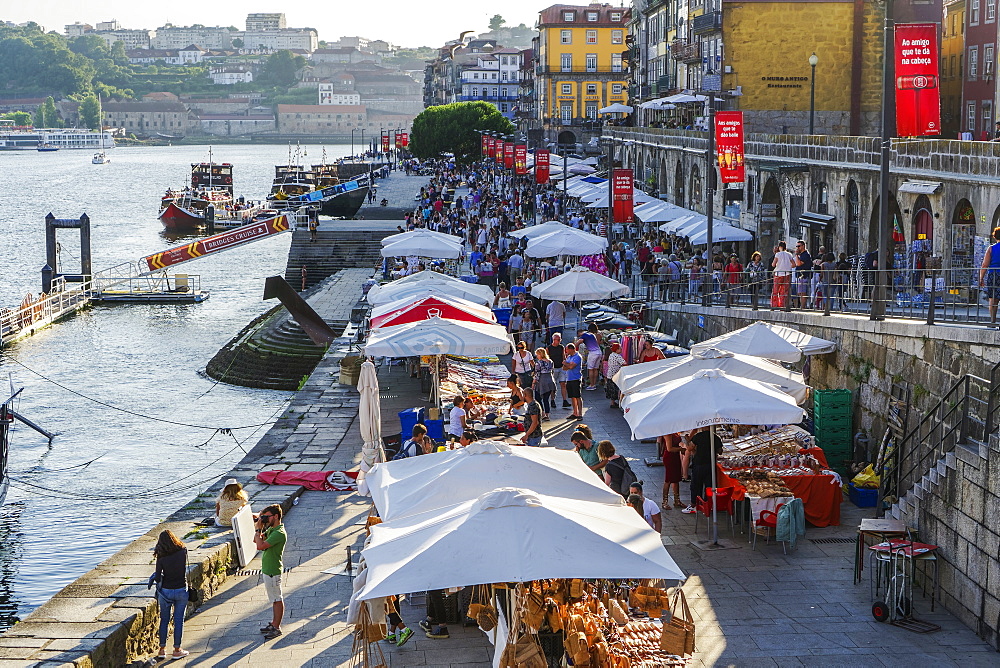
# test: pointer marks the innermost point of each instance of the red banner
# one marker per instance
(484, 148)
(508, 154)
(216, 243)
(541, 166)
(918, 99)
(621, 190)
(498, 149)
(385, 143)
(729, 146)
(399, 140)
(404, 139)
(520, 159)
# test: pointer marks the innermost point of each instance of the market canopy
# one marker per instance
(424, 246)
(687, 220)
(435, 306)
(428, 282)
(660, 211)
(639, 377)
(421, 233)
(708, 397)
(808, 344)
(579, 283)
(417, 484)
(756, 339)
(659, 104)
(637, 196)
(569, 241)
(512, 535)
(539, 230)
(616, 108)
(437, 336)
(720, 232)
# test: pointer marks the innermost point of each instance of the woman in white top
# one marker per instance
(232, 498)
(502, 300)
(524, 364)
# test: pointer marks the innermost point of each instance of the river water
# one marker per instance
(62, 515)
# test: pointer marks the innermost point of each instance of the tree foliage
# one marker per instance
(497, 22)
(46, 115)
(20, 118)
(452, 128)
(280, 69)
(90, 112)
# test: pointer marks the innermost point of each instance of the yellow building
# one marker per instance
(580, 65)
(952, 50)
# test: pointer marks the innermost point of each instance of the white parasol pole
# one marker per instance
(715, 509)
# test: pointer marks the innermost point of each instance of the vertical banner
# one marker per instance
(405, 139)
(484, 147)
(490, 149)
(508, 155)
(498, 149)
(918, 99)
(621, 190)
(385, 143)
(398, 143)
(541, 166)
(729, 145)
(521, 159)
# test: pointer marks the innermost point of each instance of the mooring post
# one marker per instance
(85, 264)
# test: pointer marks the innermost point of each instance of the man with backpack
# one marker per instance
(418, 444)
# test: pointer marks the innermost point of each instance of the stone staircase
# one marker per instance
(332, 251)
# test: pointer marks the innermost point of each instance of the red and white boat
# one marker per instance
(207, 202)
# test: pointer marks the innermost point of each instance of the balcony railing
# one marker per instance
(488, 98)
(556, 69)
(685, 51)
(706, 23)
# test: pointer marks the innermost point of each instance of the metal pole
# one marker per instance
(352, 142)
(565, 217)
(812, 101)
(877, 311)
(611, 185)
(715, 510)
(709, 199)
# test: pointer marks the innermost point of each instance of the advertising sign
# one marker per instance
(621, 190)
(404, 139)
(508, 154)
(541, 166)
(918, 99)
(385, 143)
(729, 145)
(216, 243)
(520, 159)
(484, 147)
(498, 150)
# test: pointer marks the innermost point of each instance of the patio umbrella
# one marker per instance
(421, 233)
(428, 276)
(705, 399)
(720, 232)
(413, 485)
(660, 211)
(512, 535)
(637, 196)
(370, 418)
(539, 230)
(579, 283)
(437, 336)
(396, 291)
(431, 306)
(756, 339)
(616, 108)
(581, 169)
(423, 246)
(569, 241)
(639, 377)
(808, 344)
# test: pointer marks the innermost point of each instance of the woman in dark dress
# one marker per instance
(171, 589)
(672, 476)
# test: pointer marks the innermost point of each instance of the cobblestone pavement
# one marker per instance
(752, 608)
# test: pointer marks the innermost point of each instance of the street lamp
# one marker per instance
(353, 130)
(813, 61)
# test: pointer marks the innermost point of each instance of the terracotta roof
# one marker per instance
(321, 108)
(554, 15)
(235, 117)
(145, 106)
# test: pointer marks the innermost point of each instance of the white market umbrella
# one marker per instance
(616, 108)
(370, 419)
(682, 98)
(679, 222)
(413, 291)
(420, 233)
(756, 339)
(808, 344)
(569, 241)
(637, 196)
(581, 169)
(539, 230)
(415, 484)
(437, 336)
(512, 535)
(450, 307)
(435, 277)
(720, 232)
(423, 247)
(660, 104)
(705, 399)
(660, 211)
(639, 377)
(578, 284)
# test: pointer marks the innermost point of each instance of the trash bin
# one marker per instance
(350, 370)
(502, 315)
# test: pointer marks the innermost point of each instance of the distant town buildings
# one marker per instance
(265, 22)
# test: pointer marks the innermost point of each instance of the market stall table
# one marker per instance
(820, 493)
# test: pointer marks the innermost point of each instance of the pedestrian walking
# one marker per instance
(398, 632)
(615, 363)
(557, 353)
(573, 365)
(434, 625)
(544, 383)
(270, 538)
(783, 263)
(524, 365)
(532, 419)
(989, 276)
(171, 590)
(304, 275)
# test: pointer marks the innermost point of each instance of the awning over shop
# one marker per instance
(920, 187)
(781, 167)
(816, 220)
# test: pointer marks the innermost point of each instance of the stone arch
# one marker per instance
(567, 138)
(679, 189)
(695, 190)
(772, 225)
(894, 215)
(923, 221)
(853, 226)
(962, 235)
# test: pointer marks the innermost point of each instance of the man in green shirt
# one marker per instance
(270, 537)
(588, 451)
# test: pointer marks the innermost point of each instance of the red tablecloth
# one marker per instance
(820, 495)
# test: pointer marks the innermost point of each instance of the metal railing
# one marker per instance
(930, 295)
(37, 312)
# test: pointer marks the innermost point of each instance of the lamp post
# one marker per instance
(813, 61)
(877, 310)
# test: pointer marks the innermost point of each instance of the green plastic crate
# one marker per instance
(831, 399)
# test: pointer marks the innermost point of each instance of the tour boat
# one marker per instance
(207, 202)
(319, 187)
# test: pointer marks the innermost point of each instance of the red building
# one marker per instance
(979, 87)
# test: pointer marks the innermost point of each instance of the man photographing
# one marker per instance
(270, 537)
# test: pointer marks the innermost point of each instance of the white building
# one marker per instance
(329, 95)
(265, 21)
(304, 39)
(178, 37)
(228, 75)
(133, 39)
(109, 25)
(78, 29)
(493, 78)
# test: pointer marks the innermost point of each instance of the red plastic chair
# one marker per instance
(768, 520)
(723, 502)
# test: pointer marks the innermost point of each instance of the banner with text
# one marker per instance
(621, 190)
(484, 148)
(729, 145)
(404, 139)
(918, 99)
(498, 149)
(216, 243)
(541, 166)
(508, 154)
(520, 159)
(385, 143)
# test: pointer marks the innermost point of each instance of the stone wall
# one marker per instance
(961, 511)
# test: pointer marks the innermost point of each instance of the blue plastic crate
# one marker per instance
(407, 419)
(862, 498)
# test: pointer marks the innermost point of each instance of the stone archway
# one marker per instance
(962, 236)
(696, 195)
(567, 138)
(895, 226)
(772, 225)
(923, 223)
(679, 189)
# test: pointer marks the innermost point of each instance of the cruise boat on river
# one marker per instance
(319, 187)
(31, 139)
(208, 202)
